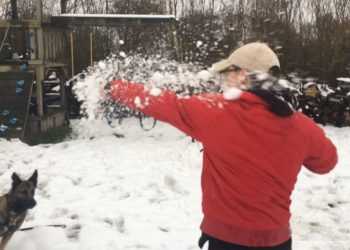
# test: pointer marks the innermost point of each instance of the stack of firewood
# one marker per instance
(325, 105)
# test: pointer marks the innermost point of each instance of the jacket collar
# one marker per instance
(252, 98)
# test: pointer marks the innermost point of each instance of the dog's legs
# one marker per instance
(5, 239)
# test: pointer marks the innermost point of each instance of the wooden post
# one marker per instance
(177, 40)
(63, 100)
(40, 69)
(40, 74)
(72, 52)
(39, 10)
(91, 49)
(32, 44)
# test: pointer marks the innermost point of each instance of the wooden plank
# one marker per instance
(39, 90)
(32, 44)
(39, 10)
(16, 104)
(24, 24)
(112, 20)
(6, 120)
(56, 45)
(47, 64)
(5, 90)
(40, 44)
(47, 122)
(49, 46)
(4, 76)
(12, 101)
(46, 44)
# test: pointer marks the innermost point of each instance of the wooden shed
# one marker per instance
(32, 87)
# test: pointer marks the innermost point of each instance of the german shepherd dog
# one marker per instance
(14, 206)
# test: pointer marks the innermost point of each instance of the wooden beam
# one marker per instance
(32, 44)
(111, 20)
(46, 63)
(40, 69)
(71, 36)
(24, 24)
(39, 10)
(91, 48)
(40, 75)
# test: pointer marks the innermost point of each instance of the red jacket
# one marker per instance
(251, 158)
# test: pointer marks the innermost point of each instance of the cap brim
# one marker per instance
(220, 66)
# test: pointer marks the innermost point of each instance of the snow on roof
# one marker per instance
(131, 16)
(343, 79)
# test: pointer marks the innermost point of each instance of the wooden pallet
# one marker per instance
(16, 103)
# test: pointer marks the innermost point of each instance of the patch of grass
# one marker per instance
(52, 136)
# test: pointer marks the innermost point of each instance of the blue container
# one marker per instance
(6, 112)
(23, 67)
(3, 128)
(20, 82)
(13, 121)
(19, 90)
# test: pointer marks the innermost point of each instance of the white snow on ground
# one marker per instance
(143, 191)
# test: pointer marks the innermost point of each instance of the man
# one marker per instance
(254, 147)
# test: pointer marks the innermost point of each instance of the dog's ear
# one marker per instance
(34, 178)
(15, 180)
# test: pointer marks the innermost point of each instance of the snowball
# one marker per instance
(147, 101)
(137, 101)
(262, 76)
(204, 75)
(155, 91)
(199, 43)
(122, 54)
(284, 83)
(232, 94)
(121, 41)
(157, 77)
(101, 65)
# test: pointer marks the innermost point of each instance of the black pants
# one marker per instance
(215, 244)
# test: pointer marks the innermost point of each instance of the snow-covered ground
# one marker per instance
(142, 191)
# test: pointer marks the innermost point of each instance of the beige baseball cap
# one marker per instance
(255, 57)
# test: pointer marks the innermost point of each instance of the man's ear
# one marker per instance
(34, 178)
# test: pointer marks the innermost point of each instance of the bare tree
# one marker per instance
(14, 9)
